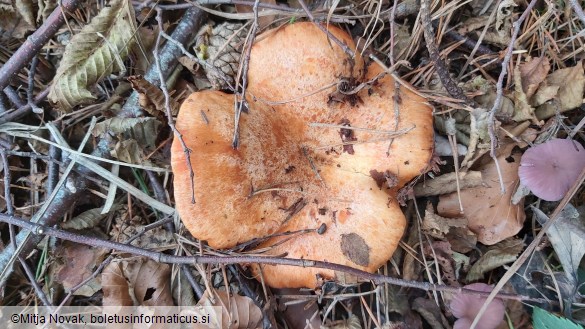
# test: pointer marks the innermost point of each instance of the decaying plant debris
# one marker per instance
(90, 91)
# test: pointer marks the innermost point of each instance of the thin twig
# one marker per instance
(241, 103)
(169, 114)
(161, 257)
(182, 34)
(440, 66)
(31, 86)
(500, 91)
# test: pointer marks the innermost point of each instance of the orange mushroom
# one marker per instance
(311, 153)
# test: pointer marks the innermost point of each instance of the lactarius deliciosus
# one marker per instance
(321, 146)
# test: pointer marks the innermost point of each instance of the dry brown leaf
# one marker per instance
(522, 109)
(491, 214)
(115, 287)
(151, 282)
(46, 7)
(143, 130)
(137, 282)
(129, 151)
(532, 73)
(125, 228)
(236, 311)
(87, 219)
(570, 95)
(499, 254)
(151, 98)
(453, 230)
(437, 226)
(76, 262)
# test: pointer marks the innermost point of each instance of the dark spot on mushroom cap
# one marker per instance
(355, 248)
(378, 177)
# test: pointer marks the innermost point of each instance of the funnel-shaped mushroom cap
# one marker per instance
(551, 168)
(302, 164)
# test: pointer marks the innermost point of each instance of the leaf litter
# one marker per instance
(110, 43)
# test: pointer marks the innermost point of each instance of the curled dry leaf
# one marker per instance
(303, 164)
(570, 95)
(92, 54)
(115, 287)
(353, 322)
(26, 9)
(532, 73)
(135, 282)
(237, 312)
(151, 98)
(491, 214)
(431, 312)
(143, 130)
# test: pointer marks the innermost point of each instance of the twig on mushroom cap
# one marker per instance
(242, 103)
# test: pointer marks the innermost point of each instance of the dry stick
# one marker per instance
(170, 120)
(578, 10)
(222, 2)
(183, 34)
(163, 86)
(500, 92)
(24, 109)
(13, 96)
(239, 105)
(31, 86)
(161, 257)
(440, 66)
(35, 42)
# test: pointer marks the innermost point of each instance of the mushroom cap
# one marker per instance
(465, 308)
(287, 175)
(550, 169)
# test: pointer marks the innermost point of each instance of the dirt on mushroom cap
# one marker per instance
(287, 175)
